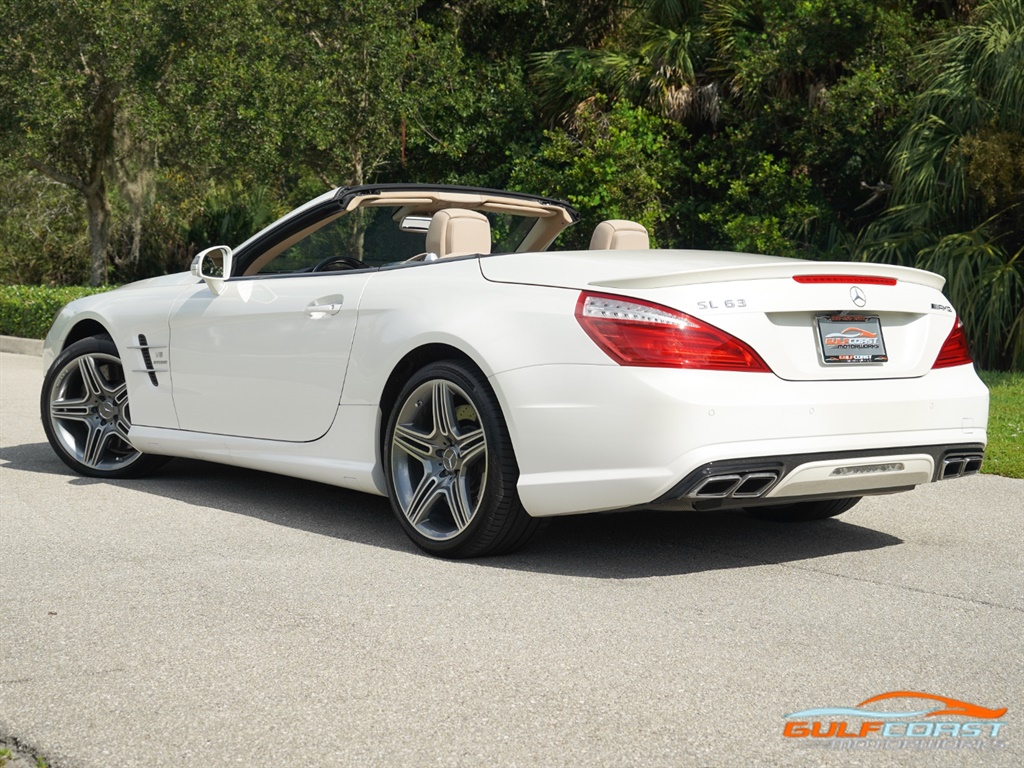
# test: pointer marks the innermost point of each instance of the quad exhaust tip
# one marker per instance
(745, 485)
(959, 466)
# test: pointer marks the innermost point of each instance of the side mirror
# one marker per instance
(213, 266)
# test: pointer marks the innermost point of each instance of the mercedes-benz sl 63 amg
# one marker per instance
(427, 344)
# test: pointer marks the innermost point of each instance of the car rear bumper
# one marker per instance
(803, 477)
(592, 438)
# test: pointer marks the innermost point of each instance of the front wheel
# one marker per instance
(86, 417)
(803, 511)
(451, 470)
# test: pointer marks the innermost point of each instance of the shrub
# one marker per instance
(610, 165)
(28, 310)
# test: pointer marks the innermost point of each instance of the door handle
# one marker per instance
(319, 310)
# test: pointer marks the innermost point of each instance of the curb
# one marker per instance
(18, 346)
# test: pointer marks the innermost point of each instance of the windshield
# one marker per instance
(373, 236)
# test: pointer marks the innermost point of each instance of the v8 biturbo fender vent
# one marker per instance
(144, 346)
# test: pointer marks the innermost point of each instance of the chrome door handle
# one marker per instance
(319, 310)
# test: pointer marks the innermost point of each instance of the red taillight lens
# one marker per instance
(955, 349)
(639, 333)
(861, 279)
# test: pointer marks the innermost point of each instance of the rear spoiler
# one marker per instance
(779, 270)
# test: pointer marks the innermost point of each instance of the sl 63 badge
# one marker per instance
(722, 304)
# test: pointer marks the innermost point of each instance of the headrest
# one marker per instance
(619, 235)
(457, 231)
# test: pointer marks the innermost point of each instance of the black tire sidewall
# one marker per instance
(92, 345)
(502, 471)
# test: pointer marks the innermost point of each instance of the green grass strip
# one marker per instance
(1005, 452)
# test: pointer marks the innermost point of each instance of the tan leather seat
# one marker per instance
(620, 235)
(457, 232)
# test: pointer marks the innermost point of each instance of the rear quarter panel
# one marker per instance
(499, 326)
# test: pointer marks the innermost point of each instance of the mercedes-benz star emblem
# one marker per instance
(858, 296)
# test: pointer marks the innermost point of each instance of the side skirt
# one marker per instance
(346, 456)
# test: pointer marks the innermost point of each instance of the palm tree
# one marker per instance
(957, 204)
(652, 63)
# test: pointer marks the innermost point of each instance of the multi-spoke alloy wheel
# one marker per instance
(451, 470)
(439, 459)
(85, 412)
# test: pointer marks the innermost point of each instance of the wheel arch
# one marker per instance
(492, 518)
(406, 367)
(84, 329)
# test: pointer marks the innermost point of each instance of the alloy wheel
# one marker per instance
(88, 412)
(439, 459)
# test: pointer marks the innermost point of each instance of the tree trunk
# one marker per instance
(101, 162)
(92, 164)
(360, 238)
(98, 212)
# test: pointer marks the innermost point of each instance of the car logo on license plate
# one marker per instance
(851, 339)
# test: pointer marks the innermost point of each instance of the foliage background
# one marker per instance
(27, 311)
(134, 132)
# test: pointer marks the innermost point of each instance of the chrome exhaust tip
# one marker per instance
(745, 485)
(960, 466)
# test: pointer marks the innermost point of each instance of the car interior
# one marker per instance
(392, 228)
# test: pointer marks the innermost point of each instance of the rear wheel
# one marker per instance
(451, 470)
(85, 411)
(803, 511)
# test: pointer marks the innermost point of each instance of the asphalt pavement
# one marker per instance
(213, 616)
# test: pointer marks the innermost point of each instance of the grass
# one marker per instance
(1005, 452)
(6, 755)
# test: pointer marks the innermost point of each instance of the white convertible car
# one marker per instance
(422, 342)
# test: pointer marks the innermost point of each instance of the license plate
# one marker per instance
(851, 339)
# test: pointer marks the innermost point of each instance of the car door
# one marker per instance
(266, 358)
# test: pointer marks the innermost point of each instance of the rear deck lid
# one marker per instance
(809, 321)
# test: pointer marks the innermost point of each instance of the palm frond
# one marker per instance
(672, 13)
(658, 73)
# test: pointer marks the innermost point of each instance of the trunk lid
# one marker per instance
(774, 304)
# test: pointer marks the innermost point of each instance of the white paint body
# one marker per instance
(255, 378)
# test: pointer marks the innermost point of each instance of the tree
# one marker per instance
(654, 60)
(747, 199)
(957, 205)
(615, 167)
(817, 87)
(74, 84)
(471, 102)
(193, 96)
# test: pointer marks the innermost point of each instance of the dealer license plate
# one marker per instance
(850, 339)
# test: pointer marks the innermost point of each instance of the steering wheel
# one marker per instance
(349, 262)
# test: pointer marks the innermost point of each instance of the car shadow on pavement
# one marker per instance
(653, 543)
(637, 544)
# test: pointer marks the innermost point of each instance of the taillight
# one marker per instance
(955, 349)
(639, 333)
(862, 279)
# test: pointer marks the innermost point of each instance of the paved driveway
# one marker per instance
(213, 616)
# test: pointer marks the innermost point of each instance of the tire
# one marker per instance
(803, 511)
(451, 471)
(85, 412)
